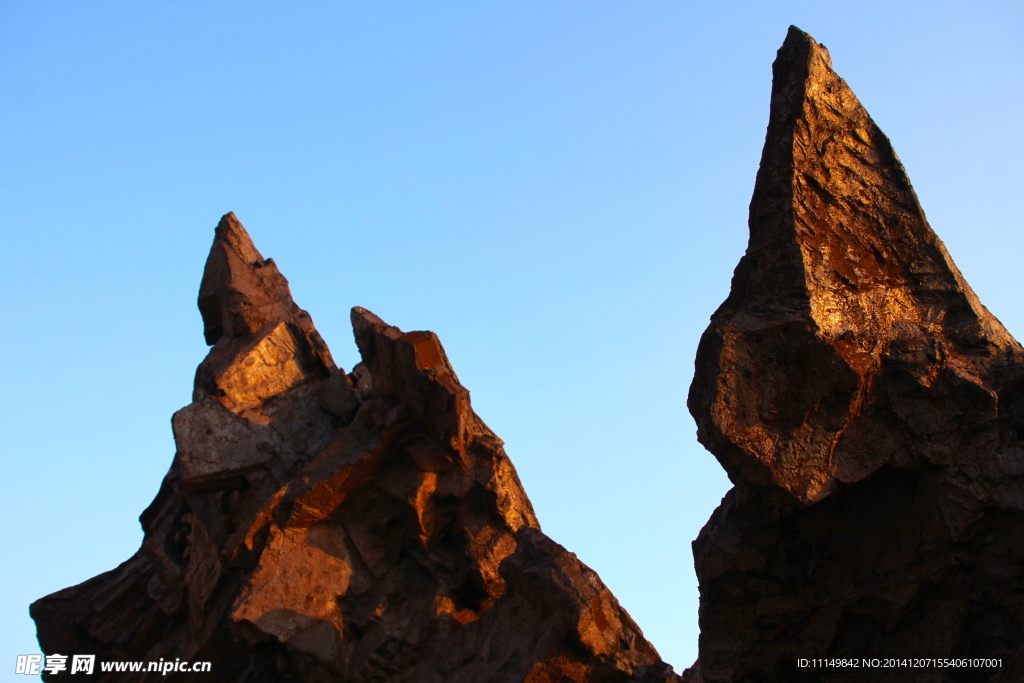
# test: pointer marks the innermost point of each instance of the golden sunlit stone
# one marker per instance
(272, 366)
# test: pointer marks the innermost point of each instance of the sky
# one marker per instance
(558, 189)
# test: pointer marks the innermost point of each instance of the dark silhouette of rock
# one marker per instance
(869, 412)
(323, 526)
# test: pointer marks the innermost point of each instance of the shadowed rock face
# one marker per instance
(869, 411)
(323, 526)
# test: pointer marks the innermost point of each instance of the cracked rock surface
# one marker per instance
(870, 413)
(318, 525)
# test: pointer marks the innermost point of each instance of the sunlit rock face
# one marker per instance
(318, 525)
(869, 411)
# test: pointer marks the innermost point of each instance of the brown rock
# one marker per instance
(317, 525)
(870, 413)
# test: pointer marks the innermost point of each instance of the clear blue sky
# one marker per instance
(558, 189)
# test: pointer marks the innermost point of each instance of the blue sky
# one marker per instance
(558, 189)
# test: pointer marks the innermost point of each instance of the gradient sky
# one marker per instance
(558, 189)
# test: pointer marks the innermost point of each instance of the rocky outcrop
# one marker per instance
(318, 525)
(869, 412)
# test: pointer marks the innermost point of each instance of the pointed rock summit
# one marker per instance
(869, 411)
(241, 291)
(318, 525)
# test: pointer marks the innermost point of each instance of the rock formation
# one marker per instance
(323, 526)
(869, 412)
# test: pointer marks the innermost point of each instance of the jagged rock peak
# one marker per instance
(241, 291)
(842, 266)
(869, 411)
(413, 369)
(322, 526)
(849, 205)
(248, 313)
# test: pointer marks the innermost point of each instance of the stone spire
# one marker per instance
(842, 272)
(868, 409)
(263, 342)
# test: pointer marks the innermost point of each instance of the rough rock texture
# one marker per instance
(870, 413)
(323, 526)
